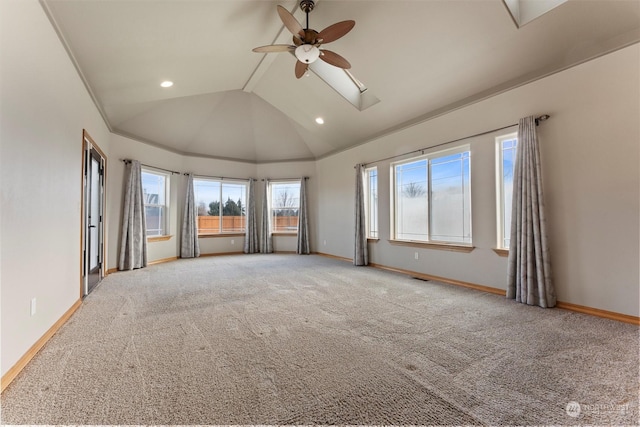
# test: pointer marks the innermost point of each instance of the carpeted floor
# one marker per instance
(287, 339)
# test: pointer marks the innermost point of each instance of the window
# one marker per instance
(432, 198)
(221, 206)
(506, 156)
(285, 205)
(155, 188)
(371, 201)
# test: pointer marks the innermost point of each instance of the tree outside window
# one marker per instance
(221, 206)
(285, 206)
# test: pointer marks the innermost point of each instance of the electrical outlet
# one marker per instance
(33, 306)
(416, 255)
(233, 241)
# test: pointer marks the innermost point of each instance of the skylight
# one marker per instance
(343, 82)
(525, 11)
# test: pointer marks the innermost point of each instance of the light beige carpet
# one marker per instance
(288, 339)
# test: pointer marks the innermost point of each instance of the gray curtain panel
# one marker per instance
(133, 236)
(189, 245)
(266, 241)
(361, 254)
(251, 243)
(303, 221)
(529, 267)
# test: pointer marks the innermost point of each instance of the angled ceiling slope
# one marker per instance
(420, 58)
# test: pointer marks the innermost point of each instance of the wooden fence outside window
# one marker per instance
(236, 224)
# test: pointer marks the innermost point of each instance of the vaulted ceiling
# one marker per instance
(420, 58)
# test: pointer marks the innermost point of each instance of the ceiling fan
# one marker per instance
(306, 42)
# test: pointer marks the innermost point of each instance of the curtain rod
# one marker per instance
(284, 179)
(539, 119)
(154, 167)
(221, 178)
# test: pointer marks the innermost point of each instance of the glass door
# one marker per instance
(93, 221)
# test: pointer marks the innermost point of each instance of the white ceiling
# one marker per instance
(419, 57)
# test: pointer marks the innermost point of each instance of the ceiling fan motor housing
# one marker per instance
(307, 41)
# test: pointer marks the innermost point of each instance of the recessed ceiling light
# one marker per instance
(166, 83)
(320, 120)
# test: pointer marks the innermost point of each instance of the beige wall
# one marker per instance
(590, 150)
(291, 170)
(126, 148)
(44, 106)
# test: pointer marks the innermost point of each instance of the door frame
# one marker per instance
(87, 145)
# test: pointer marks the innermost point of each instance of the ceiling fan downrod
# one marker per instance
(307, 6)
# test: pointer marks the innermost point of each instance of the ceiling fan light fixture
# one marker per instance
(307, 41)
(307, 53)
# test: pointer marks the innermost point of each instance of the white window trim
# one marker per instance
(393, 201)
(270, 205)
(500, 208)
(165, 208)
(221, 232)
(367, 202)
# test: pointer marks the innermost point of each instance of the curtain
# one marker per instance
(251, 244)
(303, 221)
(133, 236)
(529, 266)
(189, 245)
(361, 254)
(266, 242)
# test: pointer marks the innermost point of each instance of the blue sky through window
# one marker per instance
(508, 148)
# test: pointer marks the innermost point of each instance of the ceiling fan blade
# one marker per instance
(335, 31)
(334, 59)
(274, 48)
(301, 68)
(290, 22)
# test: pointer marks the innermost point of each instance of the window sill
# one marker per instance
(501, 252)
(432, 245)
(285, 234)
(373, 239)
(207, 236)
(159, 238)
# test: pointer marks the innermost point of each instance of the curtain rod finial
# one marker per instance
(542, 118)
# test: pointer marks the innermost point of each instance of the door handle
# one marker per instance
(92, 226)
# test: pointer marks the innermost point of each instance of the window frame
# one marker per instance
(429, 242)
(164, 208)
(372, 224)
(221, 232)
(500, 190)
(270, 204)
